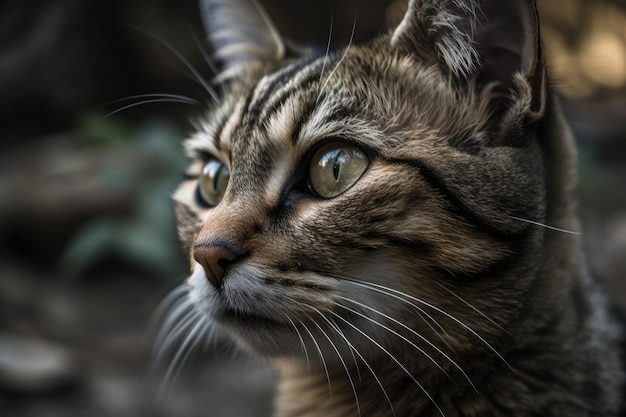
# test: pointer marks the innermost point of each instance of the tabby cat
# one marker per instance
(392, 224)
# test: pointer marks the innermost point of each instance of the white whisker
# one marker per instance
(207, 57)
(345, 53)
(178, 312)
(186, 348)
(423, 315)
(330, 37)
(175, 297)
(173, 336)
(334, 326)
(356, 397)
(141, 103)
(180, 319)
(304, 349)
(458, 297)
(356, 366)
(338, 330)
(544, 225)
(196, 75)
(319, 351)
(390, 330)
(424, 339)
(176, 97)
(390, 292)
(393, 358)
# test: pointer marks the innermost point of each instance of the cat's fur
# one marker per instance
(446, 281)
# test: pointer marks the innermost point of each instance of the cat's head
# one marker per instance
(382, 189)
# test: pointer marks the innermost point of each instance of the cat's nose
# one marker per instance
(214, 260)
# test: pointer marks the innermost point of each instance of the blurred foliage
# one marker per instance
(148, 166)
(600, 188)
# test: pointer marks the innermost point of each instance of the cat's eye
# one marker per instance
(335, 167)
(212, 182)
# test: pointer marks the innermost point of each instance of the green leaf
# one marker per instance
(90, 245)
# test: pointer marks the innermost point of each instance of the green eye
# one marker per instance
(336, 167)
(213, 181)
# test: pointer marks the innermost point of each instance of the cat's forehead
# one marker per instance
(360, 94)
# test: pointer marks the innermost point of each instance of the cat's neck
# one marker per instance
(306, 391)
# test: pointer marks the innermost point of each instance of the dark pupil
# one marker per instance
(339, 158)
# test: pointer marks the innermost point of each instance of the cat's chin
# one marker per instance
(262, 336)
(237, 320)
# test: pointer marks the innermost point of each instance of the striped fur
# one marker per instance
(446, 281)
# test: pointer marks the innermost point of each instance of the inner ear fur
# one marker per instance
(493, 42)
(508, 43)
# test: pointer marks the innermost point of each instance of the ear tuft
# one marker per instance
(241, 32)
(441, 31)
(497, 45)
(509, 44)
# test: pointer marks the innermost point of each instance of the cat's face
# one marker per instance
(336, 198)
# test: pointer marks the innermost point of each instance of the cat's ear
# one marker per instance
(509, 46)
(241, 32)
(440, 31)
(494, 42)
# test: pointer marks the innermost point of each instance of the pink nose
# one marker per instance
(214, 259)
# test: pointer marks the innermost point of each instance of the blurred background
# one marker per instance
(88, 245)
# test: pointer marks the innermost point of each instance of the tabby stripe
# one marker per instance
(339, 114)
(237, 114)
(306, 84)
(270, 84)
(305, 116)
(224, 118)
(221, 242)
(415, 245)
(311, 74)
(460, 208)
(288, 282)
(495, 269)
(217, 141)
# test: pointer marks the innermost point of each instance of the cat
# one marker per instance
(393, 224)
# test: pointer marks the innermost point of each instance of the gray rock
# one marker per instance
(29, 365)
